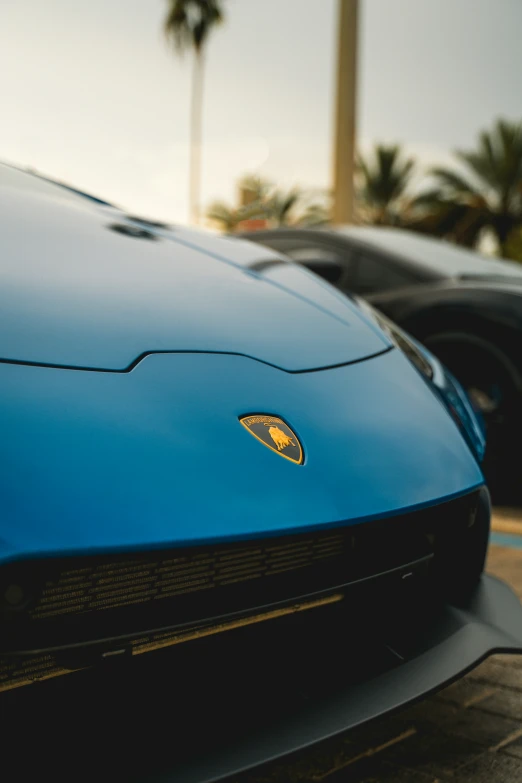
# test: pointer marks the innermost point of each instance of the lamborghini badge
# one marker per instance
(274, 433)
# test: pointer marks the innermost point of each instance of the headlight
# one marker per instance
(409, 348)
(458, 404)
(439, 378)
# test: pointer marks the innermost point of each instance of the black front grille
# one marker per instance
(52, 604)
(109, 585)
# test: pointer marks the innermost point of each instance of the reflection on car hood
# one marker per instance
(85, 287)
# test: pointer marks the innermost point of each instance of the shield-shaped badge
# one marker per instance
(276, 434)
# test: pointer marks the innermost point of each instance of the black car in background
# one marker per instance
(465, 307)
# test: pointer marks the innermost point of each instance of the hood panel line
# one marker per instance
(142, 356)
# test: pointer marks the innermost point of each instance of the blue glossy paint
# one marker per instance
(451, 392)
(457, 401)
(156, 457)
(75, 292)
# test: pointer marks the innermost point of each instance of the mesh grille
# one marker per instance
(22, 671)
(67, 603)
(131, 582)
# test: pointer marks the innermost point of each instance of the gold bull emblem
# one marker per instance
(280, 439)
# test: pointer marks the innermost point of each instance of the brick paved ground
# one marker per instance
(471, 732)
(507, 520)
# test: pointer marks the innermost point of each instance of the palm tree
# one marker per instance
(298, 207)
(188, 25)
(253, 188)
(486, 195)
(225, 216)
(281, 206)
(384, 178)
(317, 213)
(260, 200)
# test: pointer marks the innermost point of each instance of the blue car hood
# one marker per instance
(84, 288)
(156, 457)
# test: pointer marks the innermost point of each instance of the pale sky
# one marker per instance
(91, 94)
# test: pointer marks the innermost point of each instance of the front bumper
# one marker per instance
(491, 622)
(206, 711)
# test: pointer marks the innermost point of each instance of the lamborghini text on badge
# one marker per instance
(274, 433)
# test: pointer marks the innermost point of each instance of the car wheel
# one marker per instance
(486, 374)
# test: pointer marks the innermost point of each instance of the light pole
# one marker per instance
(345, 110)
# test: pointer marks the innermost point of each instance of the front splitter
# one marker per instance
(490, 622)
(205, 710)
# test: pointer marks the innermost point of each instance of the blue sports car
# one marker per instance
(246, 511)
